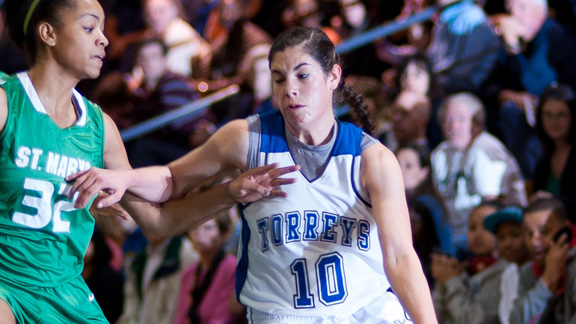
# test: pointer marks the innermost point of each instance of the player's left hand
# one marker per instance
(257, 183)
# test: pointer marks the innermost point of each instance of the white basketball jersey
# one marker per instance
(316, 252)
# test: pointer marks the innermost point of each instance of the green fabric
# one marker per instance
(70, 303)
(43, 238)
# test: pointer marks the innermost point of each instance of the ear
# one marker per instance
(47, 33)
(334, 76)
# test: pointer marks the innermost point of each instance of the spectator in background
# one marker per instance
(410, 117)
(556, 169)
(158, 91)
(188, 53)
(113, 94)
(472, 296)
(354, 18)
(240, 51)
(307, 13)
(507, 225)
(415, 73)
(207, 286)
(124, 28)
(463, 48)
(549, 281)
(471, 165)
(430, 229)
(414, 39)
(153, 281)
(538, 52)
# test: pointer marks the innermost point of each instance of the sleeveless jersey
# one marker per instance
(43, 238)
(316, 252)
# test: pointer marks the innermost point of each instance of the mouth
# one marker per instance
(295, 106)
(99, 58)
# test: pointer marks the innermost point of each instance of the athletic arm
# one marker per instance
(225, 150)
(381, 178)
(184, 210)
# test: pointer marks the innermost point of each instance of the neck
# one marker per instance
(320, 134)
(562, 145)
(207, 258)
(54, 87)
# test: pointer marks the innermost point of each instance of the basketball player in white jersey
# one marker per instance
(338, 248)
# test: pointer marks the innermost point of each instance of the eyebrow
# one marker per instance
(90, 15)
(294, 69)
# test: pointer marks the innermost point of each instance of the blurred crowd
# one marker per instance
(477, 103)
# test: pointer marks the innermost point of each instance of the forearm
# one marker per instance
(409, 284)
(150, 183)
(178, 216)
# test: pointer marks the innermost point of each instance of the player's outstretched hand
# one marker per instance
(261, 182)
(94, 181)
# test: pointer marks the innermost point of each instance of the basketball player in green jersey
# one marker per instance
(49, 131)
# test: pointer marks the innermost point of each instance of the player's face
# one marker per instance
(457, 125)
(302, 90)
(79, 39)
(556, 119)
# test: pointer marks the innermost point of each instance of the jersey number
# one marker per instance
(42, 204)
(330, 278)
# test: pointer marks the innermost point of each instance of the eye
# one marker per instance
(89, 29)
(279, 80)
(303, 75)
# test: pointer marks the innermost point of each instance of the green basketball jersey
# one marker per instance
(43, 238)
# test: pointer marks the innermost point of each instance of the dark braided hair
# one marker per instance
(320, 48)
(15, 12)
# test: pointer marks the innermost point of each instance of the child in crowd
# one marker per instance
(547, 285)
(506, 224)
(472, 296)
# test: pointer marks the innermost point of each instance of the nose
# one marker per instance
(291, 89)
(102, 40)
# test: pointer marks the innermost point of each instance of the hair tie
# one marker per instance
(29, 14)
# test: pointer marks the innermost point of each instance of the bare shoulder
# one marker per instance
(379, 170)
(3, 108)
(378, 155)
(226, 149)
(232, 140)
(114, 152)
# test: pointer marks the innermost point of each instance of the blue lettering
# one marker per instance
(328, 234)
(277, 229)
(311, 219)
(347, 225)
(363, 235)
(263, 229)
(293, 223)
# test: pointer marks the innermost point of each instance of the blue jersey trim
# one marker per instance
(242, 266)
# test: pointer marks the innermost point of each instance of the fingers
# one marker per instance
(73, 176)
(109, 201)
